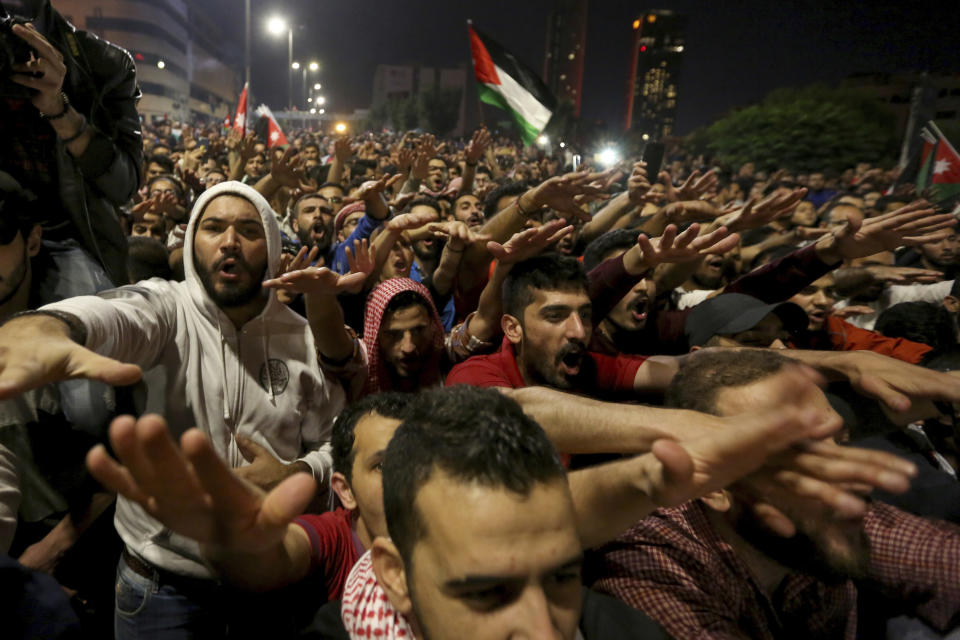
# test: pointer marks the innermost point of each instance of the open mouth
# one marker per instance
(229, 269)
(570, 362)
(639, 309)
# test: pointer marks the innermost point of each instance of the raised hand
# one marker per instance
(693, 188)
(362, 259)
(48, 63)
(755, 214)
(410, 221)
(247, 148)
(191, 490)
(343, 149)
(638, 185)
(916, 223)
(372, 188)
(852, 311)
(529, 242)
(316, 280)
(903, 275)
(673, 248)
(457, 234)
(405, 159)
(567, 193)
(287, 168)
(421, 166)
(478, 145)
(428, 146)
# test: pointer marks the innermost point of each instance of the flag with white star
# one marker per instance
(939, 176)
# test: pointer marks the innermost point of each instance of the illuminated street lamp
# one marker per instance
(340, 127)
(314, 66)
(276, 26)
(316, 87)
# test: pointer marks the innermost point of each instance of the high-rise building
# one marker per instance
(392, 82)
(655, 63)
(183, 66)
(566, 48)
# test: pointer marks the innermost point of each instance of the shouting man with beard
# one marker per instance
(547, 325)
(220, 352)
(312, 221)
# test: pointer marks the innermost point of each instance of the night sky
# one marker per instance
(736, 51)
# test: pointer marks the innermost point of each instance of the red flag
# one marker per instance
(946, 165)
(275, 137)
(240, 120)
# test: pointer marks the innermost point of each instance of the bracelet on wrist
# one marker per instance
(523, 214)
(82, 129)
(63, 112)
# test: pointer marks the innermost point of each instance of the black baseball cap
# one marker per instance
(731, 313)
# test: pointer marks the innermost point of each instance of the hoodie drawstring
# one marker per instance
(266, 362)
(223, 370)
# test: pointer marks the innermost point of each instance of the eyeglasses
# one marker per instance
(159, 192)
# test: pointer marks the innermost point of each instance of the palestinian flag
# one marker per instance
(939, 175)
(507, 83)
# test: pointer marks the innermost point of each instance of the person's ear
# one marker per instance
(340, 486)
(695, 348)
(511, 328)
(951, 304)
(33, 240)
(294, 224)
(391, 574)
(718, 500)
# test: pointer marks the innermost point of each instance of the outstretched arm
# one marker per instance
(248, 535)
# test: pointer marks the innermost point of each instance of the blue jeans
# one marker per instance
(148, 609)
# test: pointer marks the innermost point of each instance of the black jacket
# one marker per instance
(101, 83)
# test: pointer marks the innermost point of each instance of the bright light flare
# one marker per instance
(608, 157)
(276, 25)
(340, 127)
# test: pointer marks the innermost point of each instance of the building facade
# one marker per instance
(178, 47)
(401, 82)
(940, 94)
(566, 49)
(656, 59)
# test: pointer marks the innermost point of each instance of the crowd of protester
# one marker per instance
(391, 384)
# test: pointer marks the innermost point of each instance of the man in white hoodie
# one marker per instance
(221, 353)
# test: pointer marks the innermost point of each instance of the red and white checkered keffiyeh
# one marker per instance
(366, 611)
(378, 378)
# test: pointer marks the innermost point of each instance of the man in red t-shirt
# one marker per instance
(547, 326)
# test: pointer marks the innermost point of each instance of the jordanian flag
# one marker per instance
(939, 174)
(507, 83)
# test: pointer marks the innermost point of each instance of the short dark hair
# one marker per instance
(833, 204)
(546, 272)
(172, 179)
(306, 196)
(594, 254)
(162, 160)
(312, 144)
(389, 405)
(472, 434)
(423, 201)
(332, 184)
(701, 376)
(147, 258)
(923, 322)
(505, 189)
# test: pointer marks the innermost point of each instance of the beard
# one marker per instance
(831, 555)
(10, 285)
(231, 294)
(309, 236)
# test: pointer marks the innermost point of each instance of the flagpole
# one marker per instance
(940, 135)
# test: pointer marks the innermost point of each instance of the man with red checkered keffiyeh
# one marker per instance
(404, 338)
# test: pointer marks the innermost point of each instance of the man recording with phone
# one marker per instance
(71, 134)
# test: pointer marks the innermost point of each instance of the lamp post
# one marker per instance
(276, 26)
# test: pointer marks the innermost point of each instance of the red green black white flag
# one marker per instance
(939, 174)
(507, 83)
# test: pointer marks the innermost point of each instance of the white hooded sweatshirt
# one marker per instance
(262, 380)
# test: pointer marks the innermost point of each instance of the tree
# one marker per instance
(439, 109)
(403, 113)
(808, 129)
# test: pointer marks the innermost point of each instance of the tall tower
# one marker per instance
(566, 48)
(655, 61)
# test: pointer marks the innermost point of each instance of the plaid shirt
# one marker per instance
(676, 568)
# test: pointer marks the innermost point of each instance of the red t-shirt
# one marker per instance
(334, 545)
(600, 373)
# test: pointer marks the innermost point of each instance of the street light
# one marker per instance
(313, 111)
(316, 87)
(321, 100)
(161, 64)
(276, 26)
(314, 66)
(340, 127)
